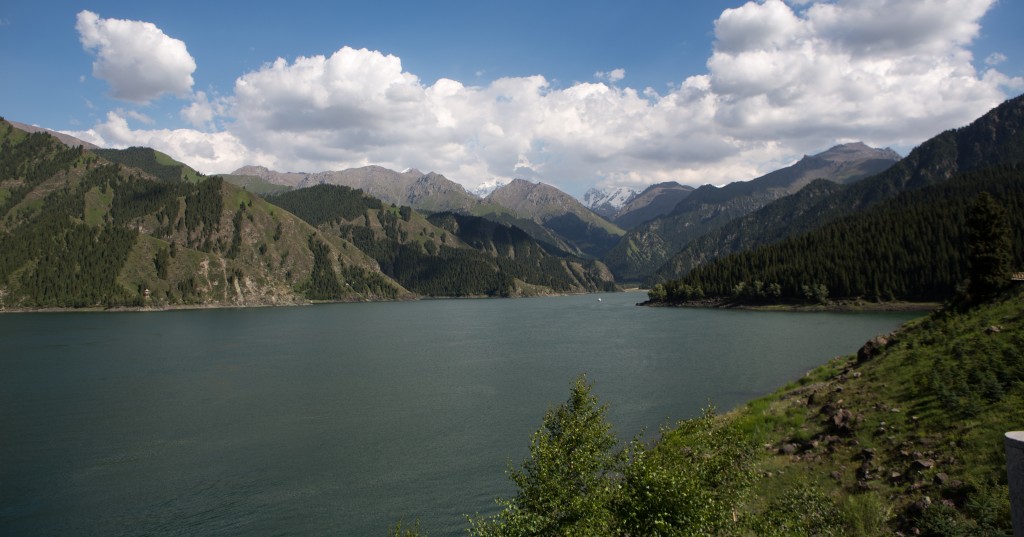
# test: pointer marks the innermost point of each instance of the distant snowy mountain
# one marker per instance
(484, 189)
(607, 201)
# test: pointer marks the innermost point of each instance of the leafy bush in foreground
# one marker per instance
(578, 481)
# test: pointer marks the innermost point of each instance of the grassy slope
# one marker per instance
(256, 184)
(187, 173)
(924, 449)
(159, 165)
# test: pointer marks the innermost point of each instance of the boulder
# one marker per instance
(866, 454)
(872, 348)
(922, 464)
(843, 422)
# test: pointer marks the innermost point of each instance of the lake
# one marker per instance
(345, 418)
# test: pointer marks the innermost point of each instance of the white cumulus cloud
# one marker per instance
(995, 58)
(217, 152)
(137, 59)
(885, 71)
(612, 76)
(781, 82)
(202, 112)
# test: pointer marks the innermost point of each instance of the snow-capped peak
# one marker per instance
(484, 189)
(615, 196)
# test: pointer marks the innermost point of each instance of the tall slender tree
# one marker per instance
(989, 246)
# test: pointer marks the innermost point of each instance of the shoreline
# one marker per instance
(839, 306)
(210, 306)
(143, 309)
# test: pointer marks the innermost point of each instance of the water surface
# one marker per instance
(346, 418)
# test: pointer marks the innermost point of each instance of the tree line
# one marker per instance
(50, 257)
(321, 204)
(28, 159)
(428, 265)
(991, 140)
(912, 247)
(145, 159)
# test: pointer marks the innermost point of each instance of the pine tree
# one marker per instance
(988, 246)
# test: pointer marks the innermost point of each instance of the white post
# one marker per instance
(1014, 443)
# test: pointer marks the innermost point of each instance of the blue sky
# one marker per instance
(574, 94)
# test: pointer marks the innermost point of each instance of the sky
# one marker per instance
(574, 94)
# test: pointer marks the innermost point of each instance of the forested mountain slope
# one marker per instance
(575, 228)
(445, 254)
(152, 162)
(994, 139)
(79, 231)
(912, 247)
(546, 213)
(655, 200)
(646, 247)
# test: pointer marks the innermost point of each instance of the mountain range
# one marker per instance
(425, 191)
(65, 139)
(107, 228)
(607, 201)
(575, 227)
(647, 246)
(660, 220)
(995, 139)
(656, 200)
(546, 213)
(628, 208)
(444, 253)
(399, 233)
(484, 189)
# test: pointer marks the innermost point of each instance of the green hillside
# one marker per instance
(444, 254)
(256, 185)
(912, 247)
(648, 246)
(79, 231)
(502, 215)
(906, 438)
(151, 161)
(574, 228)
(992, 140)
